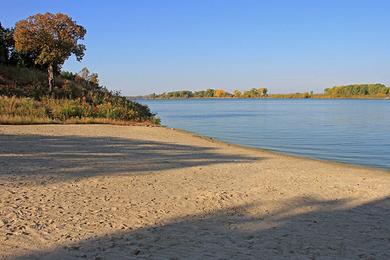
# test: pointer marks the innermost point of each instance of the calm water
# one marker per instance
(352, 131)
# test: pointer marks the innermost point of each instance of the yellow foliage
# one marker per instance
(219, 93)
(53, 37)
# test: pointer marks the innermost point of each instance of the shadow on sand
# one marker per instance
(70, 157)
(330, 230)
(304, 228)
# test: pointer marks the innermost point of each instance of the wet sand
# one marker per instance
(124, 192)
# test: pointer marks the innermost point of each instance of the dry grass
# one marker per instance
(25, 120)
(27, 111)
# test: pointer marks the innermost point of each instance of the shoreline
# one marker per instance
(216, 140)
(106, 191)
(267, 98)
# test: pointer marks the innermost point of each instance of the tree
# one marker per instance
(358, 90)
(3, 46)
(263, 91)
(209, 92)
(6, 44)
(8, 54)
(220, 93)
(237, 93)
(251, 93)
(52, 37)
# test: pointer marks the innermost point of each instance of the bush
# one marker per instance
(51, 110)
(22, 107)
(64, 109)
(73, 97)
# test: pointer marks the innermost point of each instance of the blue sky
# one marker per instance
(145, 46)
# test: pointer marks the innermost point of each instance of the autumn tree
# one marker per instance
(263, 91)
(53, 38)
(219, 93)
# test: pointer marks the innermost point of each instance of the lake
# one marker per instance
(350, 131)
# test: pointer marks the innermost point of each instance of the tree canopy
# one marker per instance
(211, 93)
(52, 38)
(358, 90)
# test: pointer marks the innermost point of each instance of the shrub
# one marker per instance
(52, 110)
(22, 107)
(73, 98)
(64, 109)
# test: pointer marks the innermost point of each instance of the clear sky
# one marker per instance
(145, 46)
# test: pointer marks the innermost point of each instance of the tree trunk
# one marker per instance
(50, 74)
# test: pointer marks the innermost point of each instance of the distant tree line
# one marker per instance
(358, 90)
(210, 93)
(295, 95)
(348, 91)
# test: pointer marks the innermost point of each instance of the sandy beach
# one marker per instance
(124, 192)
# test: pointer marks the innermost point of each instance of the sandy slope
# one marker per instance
(104, 192)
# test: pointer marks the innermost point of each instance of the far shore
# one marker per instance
(104, 191)
(266, 98)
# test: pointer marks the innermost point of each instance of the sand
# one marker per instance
(124, 192)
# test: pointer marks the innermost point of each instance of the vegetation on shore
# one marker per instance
(359, 90)
(363, 91)
(15, 110)
(75, 98)
(33, 89)
(210, 93)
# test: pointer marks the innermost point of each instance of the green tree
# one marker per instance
(358, 90)
(252, 93)
(209, 92)
(237, 93)
(6, 44)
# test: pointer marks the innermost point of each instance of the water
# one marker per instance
(351, 131)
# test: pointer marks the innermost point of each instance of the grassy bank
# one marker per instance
(24, 99)
(15, 110)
